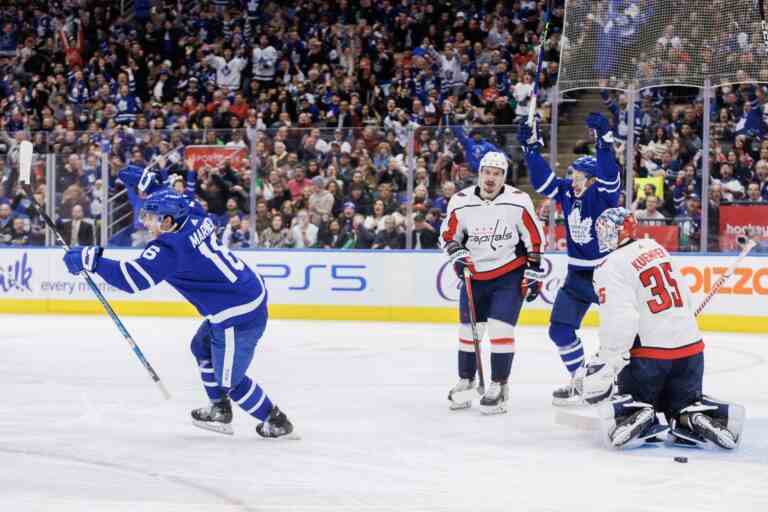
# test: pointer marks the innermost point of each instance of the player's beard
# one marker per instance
(490, 189)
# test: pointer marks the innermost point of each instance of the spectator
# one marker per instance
(448, 190)
(78, 230)
(237, 233)
(357, 236)
(6, 223)
(321, 201)
(19, 233)
(391, 237)
(276, 236)
(299, 182)
(424, 236)
(651, 216)
(753, 193)
(304, 232)
(331, 237)
(263, 217)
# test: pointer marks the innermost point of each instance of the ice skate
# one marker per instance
(495, 399)
(277, 425)
(712, 430)
(461, 394)
(568, 395)
(632, 427)
(217, 417)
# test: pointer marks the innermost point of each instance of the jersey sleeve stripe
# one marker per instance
(546, 184)
(138, 268)
(453, 225)
(128, 278)
(608, 183)
(610, 190)
(533, 231)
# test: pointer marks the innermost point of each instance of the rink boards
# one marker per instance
(397, 286)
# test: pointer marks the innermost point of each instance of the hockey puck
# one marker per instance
(682, 460)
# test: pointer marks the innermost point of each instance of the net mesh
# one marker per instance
(647, 43)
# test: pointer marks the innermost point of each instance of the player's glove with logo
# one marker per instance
(459, 257)
(528, 137)
(87, 258)
(602, 128)
(533, 277)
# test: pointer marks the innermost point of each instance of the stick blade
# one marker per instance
(25, 162)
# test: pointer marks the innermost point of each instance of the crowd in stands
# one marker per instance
(324, 95)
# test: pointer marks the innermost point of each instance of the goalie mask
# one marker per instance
(614, 226)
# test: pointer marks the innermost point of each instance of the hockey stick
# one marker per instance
(581, 422)
(536, 88)
(25, 171)
(747, 244)
(763, 22)
(473, 323)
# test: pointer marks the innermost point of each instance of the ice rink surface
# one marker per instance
(82, 427)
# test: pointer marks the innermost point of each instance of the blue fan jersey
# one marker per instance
(221, 286)
(580, 212)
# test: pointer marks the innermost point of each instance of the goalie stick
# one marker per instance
(582, 422)
(25, 171)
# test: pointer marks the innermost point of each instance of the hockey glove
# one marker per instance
(528, 137)
(87, 258)
(533, 278)
(602, 128)
(459, 257)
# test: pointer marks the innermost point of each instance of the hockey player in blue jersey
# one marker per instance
(232, 298)
(593, 187)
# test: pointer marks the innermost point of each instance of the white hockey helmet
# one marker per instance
(494, 159)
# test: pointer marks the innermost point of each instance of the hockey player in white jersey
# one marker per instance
(650, 340)
(492, 230)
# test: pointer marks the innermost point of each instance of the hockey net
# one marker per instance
(647, 43)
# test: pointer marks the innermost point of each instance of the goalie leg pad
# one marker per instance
(711, 420)
(627, 423)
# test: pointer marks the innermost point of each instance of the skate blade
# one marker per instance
(293, 436)
(490, 410)
(219, 428)
(569, 402)
(460, 406)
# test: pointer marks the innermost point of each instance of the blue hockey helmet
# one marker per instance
(166, 203)
(584, 164)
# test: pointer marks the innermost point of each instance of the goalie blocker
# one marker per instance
(649, 339)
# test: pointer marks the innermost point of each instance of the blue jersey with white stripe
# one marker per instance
(580, 212)
(220, 285)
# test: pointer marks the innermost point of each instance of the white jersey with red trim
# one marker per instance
(497, 233)
(643, 295)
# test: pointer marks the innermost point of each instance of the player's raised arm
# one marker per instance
(607, 175)
(543, 179)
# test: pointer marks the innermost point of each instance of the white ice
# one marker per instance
(82, 427)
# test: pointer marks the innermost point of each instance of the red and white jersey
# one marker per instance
(642, 294)
(492, 231)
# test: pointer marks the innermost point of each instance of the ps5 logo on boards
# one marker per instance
(16, 276)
